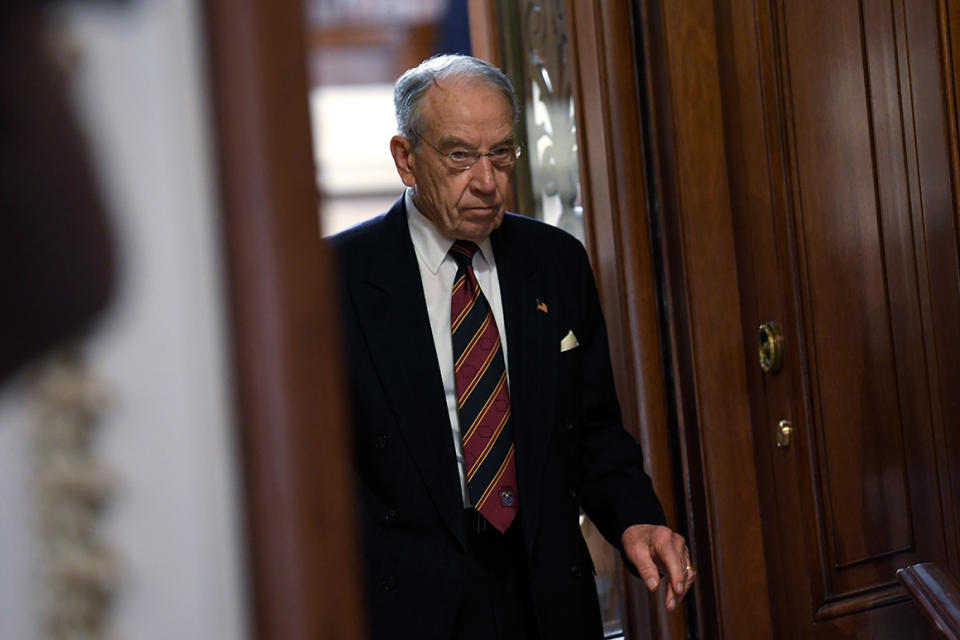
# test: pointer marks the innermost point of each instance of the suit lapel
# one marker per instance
(392, 312)
(532, 364)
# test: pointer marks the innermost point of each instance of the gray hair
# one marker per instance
(410, 88)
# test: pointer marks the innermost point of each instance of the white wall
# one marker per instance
(161, 348)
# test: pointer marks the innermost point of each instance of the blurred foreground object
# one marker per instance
(56, 259)
(78, 570)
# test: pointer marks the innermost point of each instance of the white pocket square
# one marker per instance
(569, 342)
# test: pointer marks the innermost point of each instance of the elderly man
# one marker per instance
(483, 401)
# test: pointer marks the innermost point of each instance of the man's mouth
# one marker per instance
(484, 209)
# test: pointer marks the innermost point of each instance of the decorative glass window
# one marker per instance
(538, 61)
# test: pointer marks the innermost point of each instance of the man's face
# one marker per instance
(459, 114)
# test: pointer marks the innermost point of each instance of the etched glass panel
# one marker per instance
(541, 72)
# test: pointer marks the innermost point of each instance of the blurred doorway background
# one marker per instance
(356, 50)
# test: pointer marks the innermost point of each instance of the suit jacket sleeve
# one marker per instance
(614, 489)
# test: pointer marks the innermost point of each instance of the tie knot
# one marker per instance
(462, 251)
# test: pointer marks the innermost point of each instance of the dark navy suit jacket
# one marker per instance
(571, 450)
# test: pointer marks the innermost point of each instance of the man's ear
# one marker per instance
(402, 150)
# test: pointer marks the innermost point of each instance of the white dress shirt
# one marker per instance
(437, 271)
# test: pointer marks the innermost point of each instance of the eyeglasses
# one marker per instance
(502, 156)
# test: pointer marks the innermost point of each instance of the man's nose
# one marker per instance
(482, 175)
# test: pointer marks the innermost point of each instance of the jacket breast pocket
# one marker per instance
(570, 384)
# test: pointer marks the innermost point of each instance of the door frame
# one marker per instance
(704, 327)
(289, 388)
(660, 235)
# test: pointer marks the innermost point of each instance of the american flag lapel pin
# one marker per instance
(542, 306)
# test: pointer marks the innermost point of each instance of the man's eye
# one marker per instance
(458, 156)
(501, 152)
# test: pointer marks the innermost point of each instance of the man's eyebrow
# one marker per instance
(453, 141)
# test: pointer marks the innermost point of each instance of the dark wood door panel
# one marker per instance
(851, 224)
(855, 417)
(828, 197)
(841, 169)
(900, 621)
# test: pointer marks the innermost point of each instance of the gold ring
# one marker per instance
(690, 568)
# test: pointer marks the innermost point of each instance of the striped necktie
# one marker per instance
(483, 399)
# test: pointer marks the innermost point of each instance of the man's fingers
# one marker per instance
(671, 549)
(653, 549)
(677, 591)
(691, 575)
(637, 545)
(646, 566)
(674, 595)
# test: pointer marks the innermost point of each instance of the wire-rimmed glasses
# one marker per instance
(502, 156)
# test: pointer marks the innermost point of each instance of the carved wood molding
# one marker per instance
(936, 593)
(949, 17)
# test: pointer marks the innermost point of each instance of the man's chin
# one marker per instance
(478, 228)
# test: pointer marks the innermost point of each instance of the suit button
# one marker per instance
(390, 515)
(571, 426)
(576, 571)
(573, 495)
(380, 442)
(388, 583)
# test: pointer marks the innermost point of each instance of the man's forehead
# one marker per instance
(447, 97)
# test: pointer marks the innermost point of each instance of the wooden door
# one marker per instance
(840, 180)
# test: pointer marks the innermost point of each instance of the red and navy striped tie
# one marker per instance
(483, 399)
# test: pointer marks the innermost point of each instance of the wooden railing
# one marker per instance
(936, 593)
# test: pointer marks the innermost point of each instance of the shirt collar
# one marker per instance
(431, 245)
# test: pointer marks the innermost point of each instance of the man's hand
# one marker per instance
(654, 550)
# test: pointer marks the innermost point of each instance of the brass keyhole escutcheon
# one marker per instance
(770, 348)
(784, 434)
